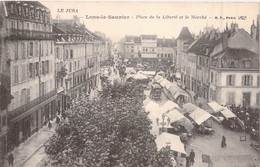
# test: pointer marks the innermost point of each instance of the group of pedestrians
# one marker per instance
(190, 159)
(250, 117)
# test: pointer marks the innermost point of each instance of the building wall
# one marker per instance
(149, 48)
(221, 90)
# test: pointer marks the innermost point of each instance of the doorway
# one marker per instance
(246, 99)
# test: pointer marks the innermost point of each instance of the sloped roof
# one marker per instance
(137, 39)
(161, 42)
(65, 21)
(148, 37)
(232, 53)
(201, 45)
(185, 34)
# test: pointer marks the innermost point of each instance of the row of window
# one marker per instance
(231, 96)
(148, 49)
(29, 12)
(21, 73)
(203, 62)
(78, 80)
(247, 80)
(25, 25)
(69, 53)
(26, 95)
(31, 49)
(165, 55)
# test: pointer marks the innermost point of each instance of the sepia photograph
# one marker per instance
(129, 84)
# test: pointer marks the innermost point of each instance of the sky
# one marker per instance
(116, 29)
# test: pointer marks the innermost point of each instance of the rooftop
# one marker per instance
(185, 34)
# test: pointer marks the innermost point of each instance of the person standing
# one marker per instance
(223, 142)
(49, 125)
(187, 161)
(192, 156)
(11, 160)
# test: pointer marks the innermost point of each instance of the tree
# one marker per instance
(112, 130)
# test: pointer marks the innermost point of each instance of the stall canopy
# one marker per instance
(168, 105)
(200, 116)
(158, 78)
(215, 106)
(148, 73)
(140, 76)
(178, 118)
(189, 107)
(167, 139)
(227, 113)
(174, 115)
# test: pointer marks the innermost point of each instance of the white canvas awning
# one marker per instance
(227, 113)
(149, 73)
(169, 105)
(200, 116)
(174, 115)
(215, 106)
(178, 75)
(158, 78)
(140, 76)
(171, 140)
(164, 82)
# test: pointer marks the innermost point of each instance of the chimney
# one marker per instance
(212, 34)
(224, 41)
(253, 30)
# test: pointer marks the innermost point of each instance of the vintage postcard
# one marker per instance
(128, 84)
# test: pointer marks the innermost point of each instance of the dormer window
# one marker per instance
(247, 63)
(232, 64)
(207, 51)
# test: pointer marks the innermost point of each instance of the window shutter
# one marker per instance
(251, 80)
(28, 49)
(13, 74)
(233, 80)
(28, 95)
(27, 74)
(33, 69)
(51, 66)
(243, 80)
(227, 80)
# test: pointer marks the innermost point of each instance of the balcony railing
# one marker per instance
(22, 109)
(29, 34)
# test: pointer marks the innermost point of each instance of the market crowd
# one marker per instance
(250, 117)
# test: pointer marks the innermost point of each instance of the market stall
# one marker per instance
(171, 140)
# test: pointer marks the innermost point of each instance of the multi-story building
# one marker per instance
(234, 77)
(149, 46)
(77, 60)
(132, 47)
(165, 49)
(105, 49)
(183, 42)
(234, 69)
(196, 79)
(28, 60)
